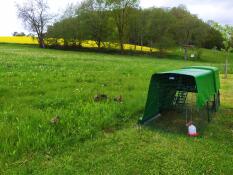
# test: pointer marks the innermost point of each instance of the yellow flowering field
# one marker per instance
(18, 40)
(90, 44)
(87, 44)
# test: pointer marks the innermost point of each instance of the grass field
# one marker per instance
(99, 137)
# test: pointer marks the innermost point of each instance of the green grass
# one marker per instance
(99, 138)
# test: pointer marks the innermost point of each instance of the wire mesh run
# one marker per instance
(183, 110)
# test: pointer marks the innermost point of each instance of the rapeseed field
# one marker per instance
(85, 44)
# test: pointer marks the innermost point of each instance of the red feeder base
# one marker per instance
(193, 135)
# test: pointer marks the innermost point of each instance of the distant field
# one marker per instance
(18, 40)
(99, 137)
(85, 44)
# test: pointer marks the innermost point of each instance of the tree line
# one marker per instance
(108, 22)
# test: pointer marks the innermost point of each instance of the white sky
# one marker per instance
(217, 10)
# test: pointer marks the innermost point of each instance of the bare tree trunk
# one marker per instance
(161, 52)
(79, 43)
(185, 54)
(151, 47)
(41, 42)
(121, 41)
(99, 44)
(121, 46)
(141, 43)
(65, 43)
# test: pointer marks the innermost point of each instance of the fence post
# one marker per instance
(226, 66)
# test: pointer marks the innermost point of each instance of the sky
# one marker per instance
(218, 10)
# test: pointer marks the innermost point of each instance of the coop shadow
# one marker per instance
(175, 122)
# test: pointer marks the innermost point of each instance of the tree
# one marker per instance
(137, 27)
(213, 39)
(19, 34)
(189, 30)
(70, 11)
(227, 34)
(159, 30)
(120, 11)
(94, 20)
(122, 21)
(67, 29)
(35, 16)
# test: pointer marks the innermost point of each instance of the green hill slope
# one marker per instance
(91, 137)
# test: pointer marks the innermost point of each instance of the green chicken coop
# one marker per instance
(169, 90)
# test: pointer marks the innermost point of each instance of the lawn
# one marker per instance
(91, 137)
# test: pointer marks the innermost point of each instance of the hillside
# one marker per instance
(99, 137)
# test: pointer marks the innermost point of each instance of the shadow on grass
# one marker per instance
(174, 122)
